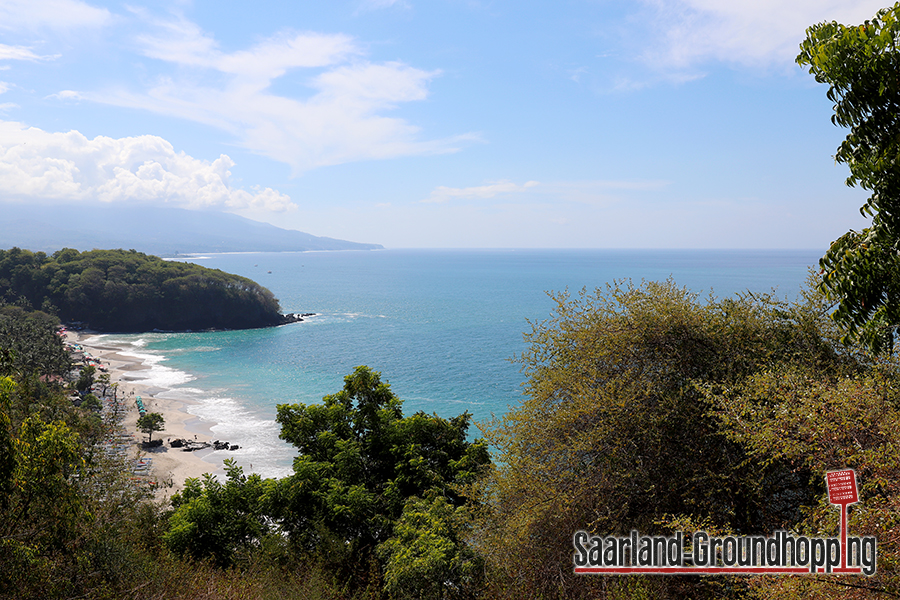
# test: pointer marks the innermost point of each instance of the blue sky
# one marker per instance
(447, 123)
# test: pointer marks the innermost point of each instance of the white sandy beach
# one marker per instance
(170, 466)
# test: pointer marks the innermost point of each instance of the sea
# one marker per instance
(441, 326)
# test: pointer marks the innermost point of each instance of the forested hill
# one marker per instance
(127, 291)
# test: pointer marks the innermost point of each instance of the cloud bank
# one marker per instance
(56, 15)
(21, 53)
(756, 33)
(334, 114)
(39, 165)
(596, 192)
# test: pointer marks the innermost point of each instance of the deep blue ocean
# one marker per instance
(440, 325)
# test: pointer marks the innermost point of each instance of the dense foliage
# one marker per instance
(367, 484)
(117, 290)
(73, 524)
(219, 521)
(30, 343)
(360, 464)
(647, 409)
(862, 268)
(60, 529)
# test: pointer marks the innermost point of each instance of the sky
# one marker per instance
(435, 124)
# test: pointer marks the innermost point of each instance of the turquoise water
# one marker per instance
(441, 326)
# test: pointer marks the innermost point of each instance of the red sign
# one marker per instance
(842, 487)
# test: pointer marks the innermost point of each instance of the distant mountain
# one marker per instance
(153, 230)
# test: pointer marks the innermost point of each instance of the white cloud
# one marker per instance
(374, 85)
(21, 53)
(57, 15)
(275, 56)
(596, 192)
(40, 165)
(339, 120)
(758, 33)
(66, 95)
(178, 40)
(444, 193)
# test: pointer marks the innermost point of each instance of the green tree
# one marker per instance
(360, 461)
(42, 508)
(32, 343)
(151, 422)
(428, 557)
(86, 379)
(215, 520)
(7, 448)
(105, 383)
(617, 431)
(129, 291)
(861, 270)
(818, 424)
(91, 402)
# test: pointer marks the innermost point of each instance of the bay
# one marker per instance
(440, 325)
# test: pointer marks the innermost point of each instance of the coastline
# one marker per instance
(169, 466)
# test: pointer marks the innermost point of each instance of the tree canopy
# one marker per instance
(371, 490)
(360, 461)
(31, 344)
(217, 520)
(151, 422)
(118, 290)
(861, 269)
(648, 409)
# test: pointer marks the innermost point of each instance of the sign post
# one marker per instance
(842, 490)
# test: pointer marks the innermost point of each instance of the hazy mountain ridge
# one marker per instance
(154, 230)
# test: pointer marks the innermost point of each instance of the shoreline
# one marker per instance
(169, 466)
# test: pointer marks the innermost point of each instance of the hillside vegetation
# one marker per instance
(119, 290)
(650, 409)
(645, 408)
